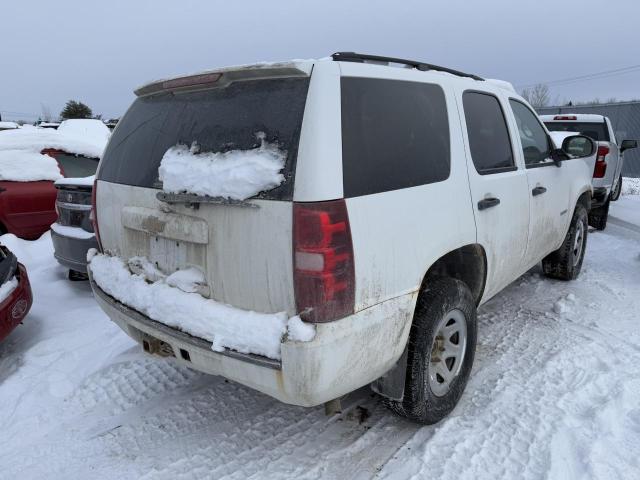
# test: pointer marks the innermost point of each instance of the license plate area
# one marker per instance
(167, 254)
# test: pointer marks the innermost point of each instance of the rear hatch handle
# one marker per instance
(194, 201)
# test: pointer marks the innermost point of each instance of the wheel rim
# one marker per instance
(577, 243)
(447, 352)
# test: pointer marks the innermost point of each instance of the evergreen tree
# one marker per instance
(75, 109)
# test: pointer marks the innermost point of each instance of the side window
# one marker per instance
(395, 134)
(534, 139)
(489, 140)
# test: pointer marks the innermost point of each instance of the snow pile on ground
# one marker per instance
(223, 325)
(237, 174)
(27, 166)
(7, 287)
(630, 186)
(80, 137)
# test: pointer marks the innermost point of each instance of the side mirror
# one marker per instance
(578, 146)
(628, 145)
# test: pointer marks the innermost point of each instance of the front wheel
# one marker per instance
(441, 348)
(566, 262)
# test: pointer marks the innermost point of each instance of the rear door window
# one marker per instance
(218, 119)
(395, 134)
(596, 131)
(489, 140)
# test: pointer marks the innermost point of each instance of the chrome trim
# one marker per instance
(73, 206)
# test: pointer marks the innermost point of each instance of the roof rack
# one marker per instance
(423, 67)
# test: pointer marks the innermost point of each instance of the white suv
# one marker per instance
(406, 197)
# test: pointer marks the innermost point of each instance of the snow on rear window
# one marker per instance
(27, 166)
(236, 174)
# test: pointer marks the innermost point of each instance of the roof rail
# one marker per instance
(423, 67)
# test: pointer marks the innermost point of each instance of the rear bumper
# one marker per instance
(72, 252)
(344, 355)
(16, 306)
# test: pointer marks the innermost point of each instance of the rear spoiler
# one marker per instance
(221, 78)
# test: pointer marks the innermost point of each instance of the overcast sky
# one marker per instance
(98, 52)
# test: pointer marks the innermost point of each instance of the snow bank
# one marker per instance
(7, 287)
(80, 137)
(237, 174)
(223, 325)
(27, 166)
(82, 181)
(630, 186)
(8, 125)
(71, 232)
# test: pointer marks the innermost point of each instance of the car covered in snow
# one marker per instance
(31, 160)
(15, 292)
(310, 227)
(607, 173)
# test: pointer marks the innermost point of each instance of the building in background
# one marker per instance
(625, 118)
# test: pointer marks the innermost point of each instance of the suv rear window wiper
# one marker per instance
(195, 200)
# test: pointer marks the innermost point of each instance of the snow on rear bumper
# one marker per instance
(344, 355)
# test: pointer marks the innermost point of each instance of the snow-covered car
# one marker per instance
(32, 159)
(607, 173)
(15, 292)
(8, 126)
(310, 227)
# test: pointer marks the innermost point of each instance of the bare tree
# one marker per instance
(538, 95)
(46, 112)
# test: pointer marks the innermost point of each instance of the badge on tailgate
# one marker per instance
(171, 226)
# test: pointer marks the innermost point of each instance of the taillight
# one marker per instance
(324, 278)
(93, 215)
(601, 165)
(565, 117)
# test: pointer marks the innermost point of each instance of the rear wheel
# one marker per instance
(566, 262)
(598, 216)
(441, 348)
(615, 195)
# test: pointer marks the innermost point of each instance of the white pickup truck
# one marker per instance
(308, 228)
(607, 174)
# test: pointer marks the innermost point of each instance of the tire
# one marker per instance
(444, 302)
(615, 195)
(598, 216)
(566, 262)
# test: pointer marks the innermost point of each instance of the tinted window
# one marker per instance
(219, 119)
(489, 140)
(77, 166)
(395, 134)
(534, 139)
(597, 131)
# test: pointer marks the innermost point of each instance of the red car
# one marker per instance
(27, 209)
(15, 292)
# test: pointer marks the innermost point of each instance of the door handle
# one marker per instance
(2, 189)
(538, 191)
(488, 203)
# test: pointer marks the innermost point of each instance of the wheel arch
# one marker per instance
(468, 264)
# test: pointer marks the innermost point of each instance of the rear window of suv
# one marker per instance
(395, 134)
(218, 119)
(596, 131)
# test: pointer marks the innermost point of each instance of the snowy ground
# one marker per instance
(555, 392)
